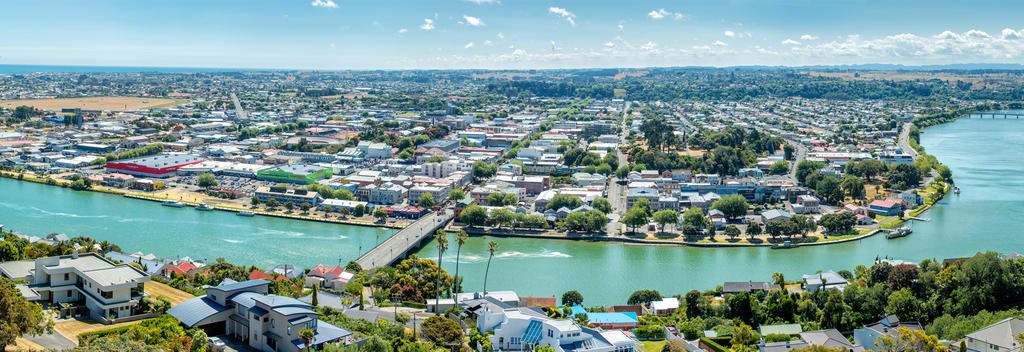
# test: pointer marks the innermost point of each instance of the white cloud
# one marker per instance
(403, 30)
(948, 46)
(473, 21)
(734, 34)
(649, 46)
(808, 37)
(662, 13)
(568, 16)
(324, 3)
(620, 28)
(481, 2)
(719, 43)
(555, 47)
(469, 45)
(428, 24)
(501, 36)
(609, 45)
(488, 43)
(790, 42)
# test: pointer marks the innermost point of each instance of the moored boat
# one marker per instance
(245, 213)
(204, 207)
(172, 203)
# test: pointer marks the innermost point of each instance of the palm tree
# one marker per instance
(492, 247)
(306, 335)
(442, 246)
(460, 239)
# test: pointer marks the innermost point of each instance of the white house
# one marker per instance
(111, 292)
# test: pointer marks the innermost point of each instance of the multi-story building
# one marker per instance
(264, 322)
(296, 196)
(439, 193)
(387, 193)
(110, 292)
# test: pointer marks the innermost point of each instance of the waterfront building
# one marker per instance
(264, 322)
(159, 165)
(297, 196)
(110, 292)
(298, 174)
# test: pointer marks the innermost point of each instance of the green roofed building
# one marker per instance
(299, 174)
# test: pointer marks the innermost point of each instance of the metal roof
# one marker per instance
(195, 310)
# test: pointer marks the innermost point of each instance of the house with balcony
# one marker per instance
(263, 322)
(110, 292)
(524, 329)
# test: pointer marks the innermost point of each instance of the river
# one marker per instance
(987, 215)
(168, 232)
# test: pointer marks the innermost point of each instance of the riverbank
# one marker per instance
(597, 237)
(59, 182)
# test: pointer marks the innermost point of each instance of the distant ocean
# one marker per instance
(12, 69)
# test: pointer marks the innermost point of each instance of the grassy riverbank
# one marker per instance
(58, 181)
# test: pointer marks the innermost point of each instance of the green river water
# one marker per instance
(983, 154)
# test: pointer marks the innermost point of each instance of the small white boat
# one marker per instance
(172, 203)
(204, 207)
(956, 190)
(245, 213)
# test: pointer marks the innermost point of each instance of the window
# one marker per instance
(67, 276)
(69, 294)
(289, 331)
(108, 294)
(271, 323)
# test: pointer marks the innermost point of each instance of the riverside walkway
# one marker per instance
(406, 240)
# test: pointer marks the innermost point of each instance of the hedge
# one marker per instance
(714, 346)
(82, 338)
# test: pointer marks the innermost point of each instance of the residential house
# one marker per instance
(263, 322)
(870, 335)
(524, 329)
(998, 337)
(330, 277)
(665, 307)
(828, 280)
(110, 292)
(730, 287)
(806, 204)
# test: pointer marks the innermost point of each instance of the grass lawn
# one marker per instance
(21, 344)
(176, 296)
(72, 328)
(654, 346)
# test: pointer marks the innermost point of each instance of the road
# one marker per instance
(397, 245)
(239, 112)
(904, 140)
(799, 155)
(616, 191)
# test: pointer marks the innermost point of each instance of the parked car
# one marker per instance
(217, 345)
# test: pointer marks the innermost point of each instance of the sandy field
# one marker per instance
(95, 103)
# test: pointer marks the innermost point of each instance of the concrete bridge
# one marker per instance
(995, 115)
(408, 239)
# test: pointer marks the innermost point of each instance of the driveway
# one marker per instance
(54, 341)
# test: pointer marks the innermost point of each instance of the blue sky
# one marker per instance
(415, 34)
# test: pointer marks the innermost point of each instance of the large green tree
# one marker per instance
(18, 316)
(733, 206)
